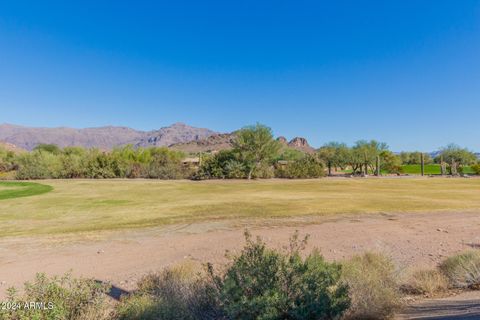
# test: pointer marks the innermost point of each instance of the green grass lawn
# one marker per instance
(93, 205)
(10, 189)
(430, 169)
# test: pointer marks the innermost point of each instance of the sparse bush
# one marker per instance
(262, 283)
(373, 286)
(428, 281)
(463, 270)
(175, 293)
(64, 298)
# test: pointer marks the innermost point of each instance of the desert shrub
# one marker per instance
(307, 167)
(290, 154)
(390, 162)
(7, 160)
(11, 175)
(476, 168)
(50, 148)
(373, 286)
(162, 163)
(63, 298)
(427, 281)
(49, 161)
(73, 166)
(38, 164)
(167, 171)
(99, 165)
(264, 171)
(175, 293)
(222, 165)
(262, 283)
(463, 270)
(234, 169)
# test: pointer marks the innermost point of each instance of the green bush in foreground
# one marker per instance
(463, 270)
(64, 298)
(262, 283)
(373, 286)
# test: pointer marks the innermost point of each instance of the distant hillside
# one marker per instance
(11, 147)
(101, 137)
(224, 141)
(174, 134)
(178, 136)
(216, 142)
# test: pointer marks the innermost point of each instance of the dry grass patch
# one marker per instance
(463, 270)
(373, 286)
(180, 292)
(426, 281)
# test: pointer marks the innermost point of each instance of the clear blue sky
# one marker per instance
(404, 72)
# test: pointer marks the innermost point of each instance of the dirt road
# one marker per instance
(465, 306)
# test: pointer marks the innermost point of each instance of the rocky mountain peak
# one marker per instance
(282, 140)
(298, 142)
(301, 144)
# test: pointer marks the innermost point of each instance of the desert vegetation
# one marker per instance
(257, 283)
(254, 154)
(63, 297)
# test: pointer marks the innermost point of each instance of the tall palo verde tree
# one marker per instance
(255, 146)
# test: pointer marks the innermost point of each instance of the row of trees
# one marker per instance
(374, 157)
(48, 161)
(255, 154)
(362, 158)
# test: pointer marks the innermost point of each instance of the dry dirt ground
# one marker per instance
(410, 239)
(413, 240)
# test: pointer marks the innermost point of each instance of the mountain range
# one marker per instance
(178, 136)
(102, 137)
